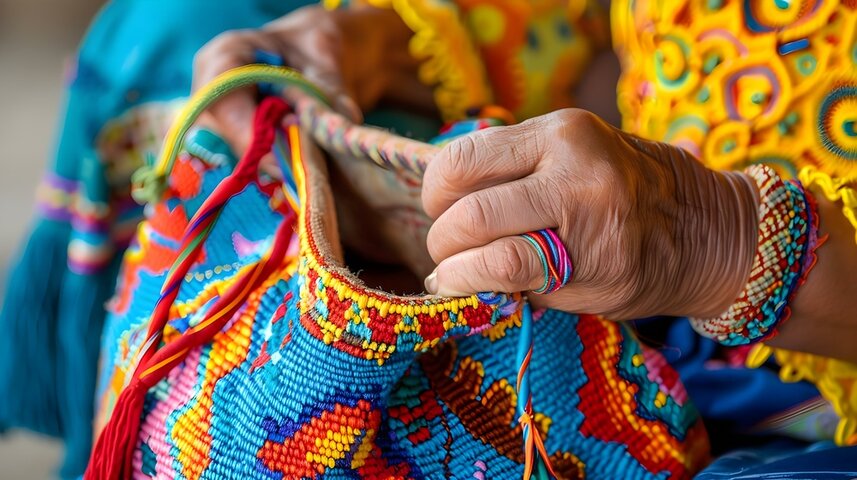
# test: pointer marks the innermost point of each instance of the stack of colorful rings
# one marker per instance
(554, 258)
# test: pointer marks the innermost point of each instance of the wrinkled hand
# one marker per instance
(356, 56)
(650, 230)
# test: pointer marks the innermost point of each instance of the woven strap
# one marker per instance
(150, 181)
(332, 131)
(337, 134)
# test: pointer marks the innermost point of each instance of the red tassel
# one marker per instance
(114, 450)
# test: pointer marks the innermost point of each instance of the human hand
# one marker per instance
(649, 229)
(356, 56)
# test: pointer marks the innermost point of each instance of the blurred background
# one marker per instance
(36, 38)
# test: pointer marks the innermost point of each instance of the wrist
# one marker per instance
(788, 238)
(719, 255)
(700, 234)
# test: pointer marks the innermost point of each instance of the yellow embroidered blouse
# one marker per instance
(735, 82)
(524, 55)
(738, 82)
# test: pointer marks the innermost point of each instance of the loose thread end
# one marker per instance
(149, 185)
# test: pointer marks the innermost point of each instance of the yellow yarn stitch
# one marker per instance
(450, 61)
(835, 189)
(836, 380)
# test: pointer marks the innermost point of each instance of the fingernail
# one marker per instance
(439, 289)
(431, 283)
(446, 292)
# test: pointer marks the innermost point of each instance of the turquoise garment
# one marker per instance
(785, 459)
(135, 52)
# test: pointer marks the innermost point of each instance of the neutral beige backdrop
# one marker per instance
(36, 36)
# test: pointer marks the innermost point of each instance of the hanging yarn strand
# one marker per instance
(533, 444)
(203, 221)
(114, 449)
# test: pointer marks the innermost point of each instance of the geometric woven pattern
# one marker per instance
(317, 375)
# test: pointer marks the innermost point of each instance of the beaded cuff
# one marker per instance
(835, 379)
(788, 227)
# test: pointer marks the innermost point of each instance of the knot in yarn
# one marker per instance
(148, 185)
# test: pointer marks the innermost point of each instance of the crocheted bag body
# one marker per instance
(314, 374)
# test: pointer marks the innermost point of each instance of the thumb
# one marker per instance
(509, 264)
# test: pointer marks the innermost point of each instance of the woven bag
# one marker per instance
(240, 344)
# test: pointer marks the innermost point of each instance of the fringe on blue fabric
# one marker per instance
(81, 319)
(88, 284)
(28, 322)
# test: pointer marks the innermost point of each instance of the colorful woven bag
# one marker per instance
(241, 345)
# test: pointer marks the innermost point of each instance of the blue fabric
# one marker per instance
(739, 396)
(782, 459)
(734, 399)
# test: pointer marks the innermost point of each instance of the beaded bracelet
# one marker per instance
(788, 237)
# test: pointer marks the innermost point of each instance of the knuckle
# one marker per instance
(203, 56)
(428, 198)
(459, 160)
(219, 50)
(472, 156)
(321, 39)
(575, 116)
(477, 213)
(576, 124)
(435, 187)
(436, 242)
(528, 150)
(225, 40)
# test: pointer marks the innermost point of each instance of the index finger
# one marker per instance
(481, 160)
